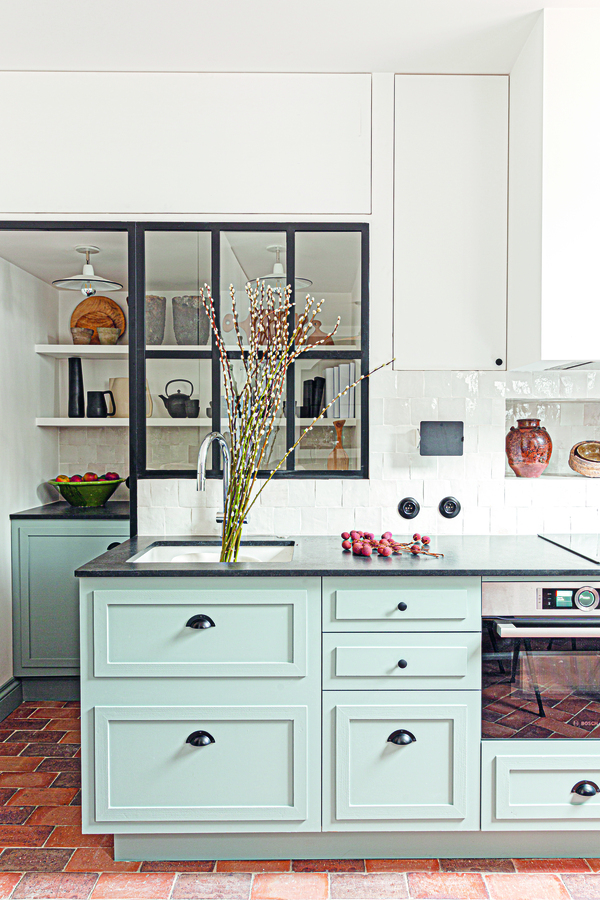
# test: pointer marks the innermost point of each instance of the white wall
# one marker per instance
(28, 455)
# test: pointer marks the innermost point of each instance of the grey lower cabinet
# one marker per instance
(45, 555)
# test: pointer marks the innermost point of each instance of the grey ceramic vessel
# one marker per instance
(190, 322)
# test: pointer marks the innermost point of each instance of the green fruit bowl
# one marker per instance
(87, 493)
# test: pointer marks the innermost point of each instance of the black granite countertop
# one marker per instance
(116, 509)
(499, 556)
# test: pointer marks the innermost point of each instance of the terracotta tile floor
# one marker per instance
(44, 855)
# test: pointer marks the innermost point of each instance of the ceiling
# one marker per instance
(180, 260)
(50, 255)
(468, 36)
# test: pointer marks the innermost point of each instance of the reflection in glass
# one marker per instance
(332, 260)
(329, 445)
(178, 264)
(245, 256)
(181, 398)
(276, 445)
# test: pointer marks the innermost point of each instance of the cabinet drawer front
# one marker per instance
(371, 661)
(255, 770)
(254, 633)
(401, 604)
(532, 787)
(433, 778)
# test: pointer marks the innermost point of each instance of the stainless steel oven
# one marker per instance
(541, 660)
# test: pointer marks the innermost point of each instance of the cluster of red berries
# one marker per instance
(363, 543)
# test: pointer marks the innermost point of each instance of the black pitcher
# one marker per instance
(96, 405)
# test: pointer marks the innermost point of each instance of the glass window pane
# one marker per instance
(172, 440)
(246, 256)
(332, 262)
(178, 264)
(275, 446)
(327, 446)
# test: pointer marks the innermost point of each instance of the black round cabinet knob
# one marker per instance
(402, 606)
(200, 739)
(401, 736)
(402, 664)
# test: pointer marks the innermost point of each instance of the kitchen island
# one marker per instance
(262, 710)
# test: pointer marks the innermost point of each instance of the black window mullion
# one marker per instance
(364, 343)
(215, 274)
(290, 405)
(137, 365)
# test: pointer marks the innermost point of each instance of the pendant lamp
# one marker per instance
(88, 282)
(277, 279)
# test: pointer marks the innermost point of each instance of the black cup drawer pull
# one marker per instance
(402, 664)
(200, 739)
(585, 789)
(200, 621)
(402, 606)
(402, 736)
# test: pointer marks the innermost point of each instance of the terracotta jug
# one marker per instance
(528, 448)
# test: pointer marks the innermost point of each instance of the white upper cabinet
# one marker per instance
(191, 144)
(450, 221)
(554, 192)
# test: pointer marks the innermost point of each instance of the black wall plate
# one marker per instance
(442, 438)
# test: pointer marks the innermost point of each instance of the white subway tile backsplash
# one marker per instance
(492, 503)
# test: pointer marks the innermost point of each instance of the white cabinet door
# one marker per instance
(203, 144)
(450, 221)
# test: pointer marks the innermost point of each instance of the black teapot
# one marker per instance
(176, 403)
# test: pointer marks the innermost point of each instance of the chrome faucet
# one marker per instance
(201, 470)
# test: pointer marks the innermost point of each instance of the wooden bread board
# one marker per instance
(98, 312)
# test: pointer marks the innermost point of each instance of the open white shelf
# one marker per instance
(85, 351)
(322, 422)
(121, 423)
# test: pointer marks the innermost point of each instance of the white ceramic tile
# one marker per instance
(423, 410)
(339, 520)
(491, 493)
(518, 492)
(490, 438)
(396, 411)
(585, 521)
(503, 520)
(260, 520)
(396, 465)
(328, 493)
(204, 520)
(409, 384)
(452, 409)
(437, 384)
(557, 521)
(530, 520)
(314, 521)
(151, 520)
(546, 384)
(571, 414)
(301, 492)
(356, 493)
(178, 520)
(164, 492)
(465, 384)
(451, 466)
(478, 465)
(275, 493)
(476, 520)
(287, 522)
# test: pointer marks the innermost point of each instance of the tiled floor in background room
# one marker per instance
(44, 855)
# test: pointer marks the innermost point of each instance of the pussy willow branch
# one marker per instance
(252, 409)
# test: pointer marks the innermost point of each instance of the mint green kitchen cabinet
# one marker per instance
(249, 684)
(429, 783)
(528, 785)
(45, 555)
(401, 604)
(446, 661)
(252, 766)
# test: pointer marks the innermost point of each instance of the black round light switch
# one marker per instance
(449, 507)
(409, 508)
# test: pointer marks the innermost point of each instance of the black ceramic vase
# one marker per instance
(76, 396)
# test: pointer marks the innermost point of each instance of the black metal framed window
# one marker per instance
(333, 258)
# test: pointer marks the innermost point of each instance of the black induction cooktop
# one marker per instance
(585, 545)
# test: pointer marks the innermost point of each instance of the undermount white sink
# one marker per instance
(203, 552)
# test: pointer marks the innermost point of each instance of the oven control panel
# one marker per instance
(565, 598)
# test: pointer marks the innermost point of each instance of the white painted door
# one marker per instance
(450, 220)
(195, 144)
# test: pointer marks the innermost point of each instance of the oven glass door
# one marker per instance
(540, 678)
